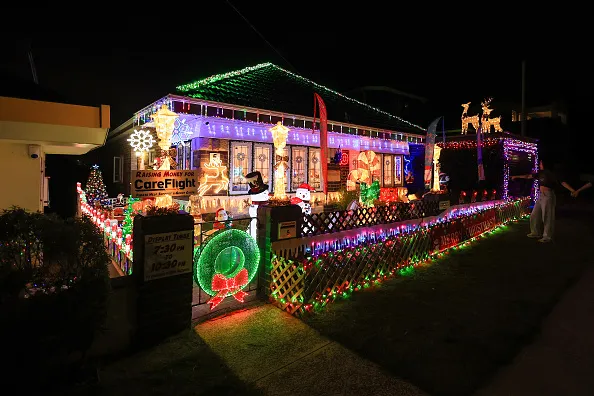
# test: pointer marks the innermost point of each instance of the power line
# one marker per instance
(32, 62)
(262, 37)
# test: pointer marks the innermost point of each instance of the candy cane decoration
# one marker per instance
(369, 160)
(357, 176)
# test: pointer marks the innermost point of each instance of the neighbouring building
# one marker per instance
(230, 116)
(553, 111)
(30, 129)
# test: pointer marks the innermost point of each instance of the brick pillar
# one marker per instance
(274, 223)
(163, 264)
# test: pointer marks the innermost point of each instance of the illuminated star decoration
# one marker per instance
(141, 140)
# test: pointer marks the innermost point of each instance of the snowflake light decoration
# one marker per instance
(141, 140)
(181, 131)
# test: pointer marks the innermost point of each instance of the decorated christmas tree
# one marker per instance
(95, 188)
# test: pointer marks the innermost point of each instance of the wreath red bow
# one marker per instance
(224, 286)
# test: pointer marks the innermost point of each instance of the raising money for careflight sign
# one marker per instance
(156, 183)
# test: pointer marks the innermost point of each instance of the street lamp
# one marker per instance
(164, 120)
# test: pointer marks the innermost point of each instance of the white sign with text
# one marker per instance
(167, 254)
(156, 183)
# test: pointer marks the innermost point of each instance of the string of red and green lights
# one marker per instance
(402, 269)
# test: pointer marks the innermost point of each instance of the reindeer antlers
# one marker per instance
(487, 101)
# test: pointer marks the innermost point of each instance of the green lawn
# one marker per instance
(449, 326)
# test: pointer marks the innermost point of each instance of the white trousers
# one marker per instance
(542, 219)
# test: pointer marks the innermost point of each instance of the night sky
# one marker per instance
(450, 58)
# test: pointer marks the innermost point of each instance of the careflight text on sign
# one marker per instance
(156, 183)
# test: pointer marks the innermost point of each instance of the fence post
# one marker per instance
(163, 263)
(274, 223)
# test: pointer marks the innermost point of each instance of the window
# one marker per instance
(263, 162)
(314, 174)
(298, 166)
(286, 155)
(398, 171)
(46, 191)
(152, 156)
(117, 169)
(241, 160)
(184, 155)
(388, 167)
(188, 155)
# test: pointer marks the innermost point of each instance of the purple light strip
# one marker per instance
(332, 244)
(220, 128)
(517, 145)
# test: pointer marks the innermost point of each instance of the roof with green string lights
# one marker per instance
(268, 86)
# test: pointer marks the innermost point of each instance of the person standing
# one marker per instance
(542, 218)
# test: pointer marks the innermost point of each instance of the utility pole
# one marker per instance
(523, 121)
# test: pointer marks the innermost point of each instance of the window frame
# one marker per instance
(390, 171)
(231, 156)
(287, 172)
(309, 167)
(271, 155)
(306, 168)
(400, 158)
(184, 149)
(119, 168)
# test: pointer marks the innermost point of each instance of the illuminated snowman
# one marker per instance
(302, 198)
(259, 195)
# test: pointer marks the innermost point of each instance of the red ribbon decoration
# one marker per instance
(224, 286)
(323, 138)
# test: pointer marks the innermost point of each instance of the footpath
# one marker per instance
(561, 360)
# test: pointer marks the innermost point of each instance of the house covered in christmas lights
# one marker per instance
(223, 131)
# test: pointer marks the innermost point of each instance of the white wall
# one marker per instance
(21, 177)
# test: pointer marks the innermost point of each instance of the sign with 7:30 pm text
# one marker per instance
(167, 254)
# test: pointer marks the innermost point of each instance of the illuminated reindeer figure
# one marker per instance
(474, 120)
(496, 122)
(217, 182)
(487, 122)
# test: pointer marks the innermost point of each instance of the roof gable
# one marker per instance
(270, 87)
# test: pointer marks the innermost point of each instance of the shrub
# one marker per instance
(53, 290)
(346, 197)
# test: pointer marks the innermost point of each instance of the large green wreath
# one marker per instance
(226, 253)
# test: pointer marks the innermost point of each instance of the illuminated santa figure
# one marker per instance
(259, 195)
(221, 217)
(302, 197)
